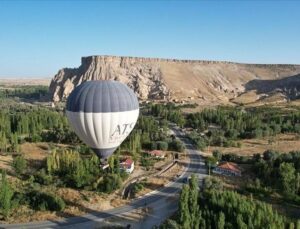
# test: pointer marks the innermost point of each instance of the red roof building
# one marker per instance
(127, 165)
(228, 169)
(157, 154)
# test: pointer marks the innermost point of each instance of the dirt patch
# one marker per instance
(160, 181)
(5, 162)
(86, 201)
(36, 151)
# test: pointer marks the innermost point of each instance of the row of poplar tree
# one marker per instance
(219, 209)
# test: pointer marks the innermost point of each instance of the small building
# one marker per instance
(157, 154)
(127, 165)
(227, 169)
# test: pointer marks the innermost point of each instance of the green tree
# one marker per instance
(240, 222)
(217, 154)
(19, 164)
(287, 177)
(210, 162)
(110, 183)
(221, 221)
(170, 224)
(291, 225)
(193, 201)
(298, 224)
(6, 196)
(184, 214)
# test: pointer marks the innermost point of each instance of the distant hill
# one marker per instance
(23, 81)
(203, 82)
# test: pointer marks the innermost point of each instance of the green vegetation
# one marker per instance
(149, 135)
(224, 125)
(137, 187)
(168, 112)
(147, 161)
(74, 165)
(24, 92)
(6, 197)
(272, 176)
(215, 208)
(19, 164)
(23, 123)
(72, 169)
(45, 202)
(280, 172)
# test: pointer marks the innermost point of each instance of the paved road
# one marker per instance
(162, 203)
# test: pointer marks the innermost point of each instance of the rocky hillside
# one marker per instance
(204, 82)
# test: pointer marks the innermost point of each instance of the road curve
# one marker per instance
(162, 202)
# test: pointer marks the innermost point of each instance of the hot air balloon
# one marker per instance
(102, 114)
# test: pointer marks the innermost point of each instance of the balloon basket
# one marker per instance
(104, 166)
(104, 163)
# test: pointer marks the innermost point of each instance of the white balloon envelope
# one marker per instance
(102, 114)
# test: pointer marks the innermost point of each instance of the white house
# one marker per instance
(127, 165)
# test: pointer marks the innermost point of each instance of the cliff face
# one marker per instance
(169, 79)
(142, 75)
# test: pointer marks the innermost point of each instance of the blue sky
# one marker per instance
(37, 38)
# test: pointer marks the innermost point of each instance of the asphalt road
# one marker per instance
(162, 203)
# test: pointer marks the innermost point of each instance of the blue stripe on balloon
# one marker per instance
(102, 96)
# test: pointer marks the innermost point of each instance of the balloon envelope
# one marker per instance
(102, 114)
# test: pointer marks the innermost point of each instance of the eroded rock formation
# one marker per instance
(171, 79)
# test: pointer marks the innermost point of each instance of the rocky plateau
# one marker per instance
(185, 81)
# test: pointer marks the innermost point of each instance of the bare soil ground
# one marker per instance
(5, 162)
(282, 143)
(155, 182)
(23, 82)
(35, 151)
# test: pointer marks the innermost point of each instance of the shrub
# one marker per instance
(200, 144)
(110, 183)
(161, 145)
(176, 145)
(147, 145)
(45, 202)
(34, 138)
(43, 178)
(19, 164)
(147, 162)
(212, 183)
(153, 146)
(211, 161)
(217, 154)
(136, 188)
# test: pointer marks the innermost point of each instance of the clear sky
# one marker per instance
(37, 38)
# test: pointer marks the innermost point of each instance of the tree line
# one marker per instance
(214, 208)
(24, 92)
(224, 125)
(274, 172)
